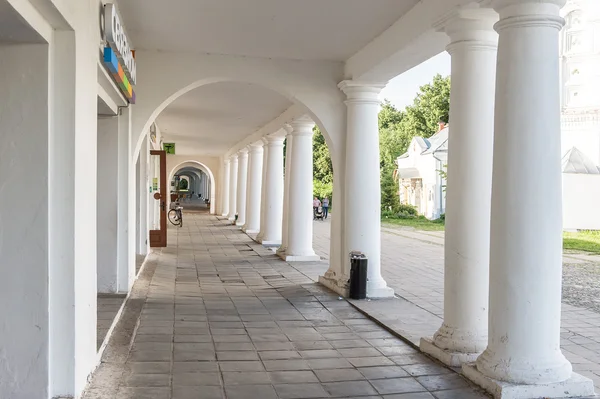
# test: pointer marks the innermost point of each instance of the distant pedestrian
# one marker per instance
(316, 205)
(325, 207)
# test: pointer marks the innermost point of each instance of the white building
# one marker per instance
(84, 181)
(420, 181)
(420, 175)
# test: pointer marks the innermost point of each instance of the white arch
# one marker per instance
(311, 85)
(206, 170)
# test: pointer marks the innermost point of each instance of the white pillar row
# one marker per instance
(473, 46)
(300, 211)
(225, 176)
(362, 186)
(233, 176)
(263, 188)
(242, 181)
(254, 188)
(523, 358)
(289, 144)
(274, 192)
(143, 188)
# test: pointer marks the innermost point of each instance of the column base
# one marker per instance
(380, 292)
(575, 386)
(299, 258)
(339, 286)
(452, 359)
(267, 243)
(379, 289)
(250, 231)
(240, 224)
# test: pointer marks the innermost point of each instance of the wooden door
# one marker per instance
(158, 198)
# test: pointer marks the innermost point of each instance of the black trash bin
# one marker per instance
(358, 275)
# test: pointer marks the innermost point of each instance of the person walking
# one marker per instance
(316, 205)
(325, 207)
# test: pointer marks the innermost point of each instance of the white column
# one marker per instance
(241, 186)
(263, 189)
(289, 144)
(143, 188)
(300, 211)
(126, 206)
(233, 176)
(463, 334)
(363, 189)
(526, 231)
(273, 192)
(255, 167)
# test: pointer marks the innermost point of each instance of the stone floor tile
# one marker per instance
(397, 385)
(300, 391)
(337, 375)
(241, 366)
(349, 388)
(237, 355)
(460, 394)
(246, 377)
(196, 379)
(286, 365)
(412, 395)
(426, 369)
(149, 367)
(370, 361)
(186, 367)
(375, 373)
(143, 393)
(205, 392)
(441, 382)
(279, 355)
(333, 363)
(250, 392)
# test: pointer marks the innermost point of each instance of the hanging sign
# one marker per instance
(118, 56)
(155, 183)
(169, 148)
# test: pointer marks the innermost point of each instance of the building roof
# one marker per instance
(575, 161)
(436, 144)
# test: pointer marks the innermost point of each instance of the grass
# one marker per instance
(419, 223)
(587, 241)
(583, 241)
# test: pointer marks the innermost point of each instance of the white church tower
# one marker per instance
(580, 74)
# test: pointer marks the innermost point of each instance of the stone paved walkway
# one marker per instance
(413, 265)
(216, 316)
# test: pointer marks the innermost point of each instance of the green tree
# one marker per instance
(398, 128)
(183, 184)
(322, 167)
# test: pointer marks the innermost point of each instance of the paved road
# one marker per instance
(413, 265)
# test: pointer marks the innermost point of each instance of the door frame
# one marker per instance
(158, 238)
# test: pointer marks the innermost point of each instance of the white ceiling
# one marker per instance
(13, 28)
(293, 29)
(211, 119)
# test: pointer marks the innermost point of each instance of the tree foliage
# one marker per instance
(398, 128)
(396, 131)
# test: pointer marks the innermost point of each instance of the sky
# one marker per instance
(402, 90)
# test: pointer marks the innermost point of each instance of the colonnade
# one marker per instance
(502, 291)
(503, 251)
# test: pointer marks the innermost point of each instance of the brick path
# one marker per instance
(217, 316)
(413, 265)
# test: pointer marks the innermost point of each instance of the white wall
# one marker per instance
(24, 128)
(107, 211)
(581, 196)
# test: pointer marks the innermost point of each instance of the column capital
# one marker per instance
(469, 26)
(302, 126)
(364, 92)
(288, 129)
(243, 152)
(226, 160)
(233, 157)
(256, 147)
(272, 140)
(526, 13)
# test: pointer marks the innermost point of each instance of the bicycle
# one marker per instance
(175, 214)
